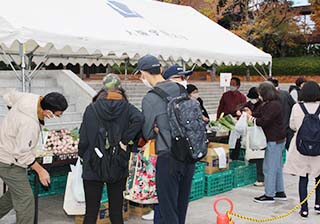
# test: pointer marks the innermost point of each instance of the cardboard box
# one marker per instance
(136, 209)
(212, 159)
(103, 215)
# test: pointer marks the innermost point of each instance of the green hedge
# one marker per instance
(307, 65)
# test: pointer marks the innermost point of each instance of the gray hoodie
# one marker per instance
(154, 109)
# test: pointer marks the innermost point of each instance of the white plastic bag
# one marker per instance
(257, 138)
(241, 125)
(70, 205)
(77, 182)
(255, 143)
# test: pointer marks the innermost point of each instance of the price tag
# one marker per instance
(47, 160)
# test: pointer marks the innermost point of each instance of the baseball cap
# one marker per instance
(176, 70)
(111, 82)
(148, 63)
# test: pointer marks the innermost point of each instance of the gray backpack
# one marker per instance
(188, 130)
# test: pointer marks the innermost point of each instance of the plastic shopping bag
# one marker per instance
(256, 142)
(257, 138)
(77, 182)
(241, 125)
(70, 205)
(141, 183)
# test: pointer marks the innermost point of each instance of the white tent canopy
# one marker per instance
(108, 31)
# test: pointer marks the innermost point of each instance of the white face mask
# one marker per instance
(147, 83)
(194, 96)
(254, 101)
(233, 88)
(184, 83)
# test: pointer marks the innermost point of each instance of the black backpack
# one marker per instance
(188, 130)
(110, 162)
(308, 137)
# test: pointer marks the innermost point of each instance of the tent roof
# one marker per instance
(107, 31)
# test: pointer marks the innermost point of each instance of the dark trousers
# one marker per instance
(235, 154)
(259, 165)
(173, 180)
(93, 194)
(303, 191)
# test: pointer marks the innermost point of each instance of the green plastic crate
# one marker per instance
(197, 188)
(57, 185)
(217, 183)
(243, 174)
(199, 169)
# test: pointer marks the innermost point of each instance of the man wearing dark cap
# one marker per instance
(176, 74)
(173, 178)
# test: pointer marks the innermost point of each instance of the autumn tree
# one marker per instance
(315, 15)
(272, 27)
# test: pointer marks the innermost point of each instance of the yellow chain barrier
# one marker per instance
(276, 217)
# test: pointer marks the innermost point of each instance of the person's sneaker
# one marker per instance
(264, 199)
(148, 216)
(317, 208)
(258, 184)
(281, 196)
(304, 214)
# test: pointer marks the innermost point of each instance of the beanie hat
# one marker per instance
(111, 82)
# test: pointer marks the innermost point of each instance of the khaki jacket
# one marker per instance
(20, 129)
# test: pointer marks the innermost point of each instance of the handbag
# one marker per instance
(256, 142)
(110, 162)
(141, 183)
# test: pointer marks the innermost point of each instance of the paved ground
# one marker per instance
(200, 211)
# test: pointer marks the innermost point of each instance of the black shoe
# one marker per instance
(264, 199)
(304, 214)
(281, 196)
(317, 208)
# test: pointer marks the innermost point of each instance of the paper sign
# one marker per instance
(225, 79)
(222, 157)
(47, 160)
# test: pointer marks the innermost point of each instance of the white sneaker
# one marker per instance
(258, 184)
(149, 216)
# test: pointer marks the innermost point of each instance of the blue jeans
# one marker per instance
(272, 169)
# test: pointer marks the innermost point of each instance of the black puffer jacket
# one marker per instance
(122, 120)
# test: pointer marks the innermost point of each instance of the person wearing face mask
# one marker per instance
(254, 104)
(173, 178)
(176, 74)
(270, 119)
(231, 99)
(19, 135)
(193, 93)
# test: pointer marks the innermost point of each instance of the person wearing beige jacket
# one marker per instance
(19, 134)
(298, 164)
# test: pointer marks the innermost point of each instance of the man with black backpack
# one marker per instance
(173, 177)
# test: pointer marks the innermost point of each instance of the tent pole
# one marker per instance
(214, 72)
(4, 57)
(126, 69)
(23, 66)
(270, 69)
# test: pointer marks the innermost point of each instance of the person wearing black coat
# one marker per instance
(193, 93)
(122, 122)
